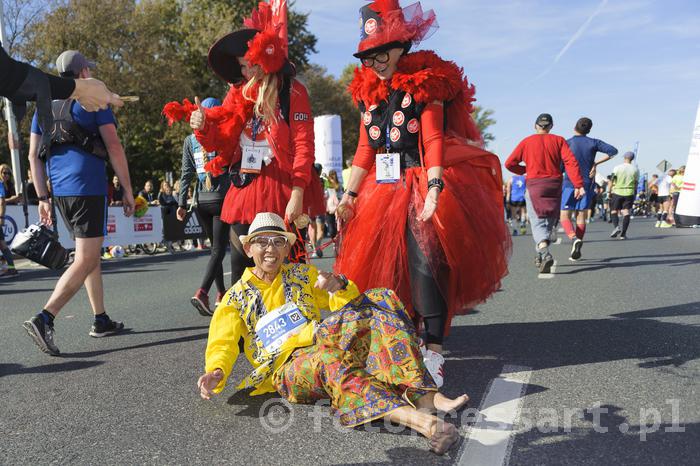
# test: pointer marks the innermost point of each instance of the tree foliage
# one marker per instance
(155, 49)
(329, 96)
(484, 122)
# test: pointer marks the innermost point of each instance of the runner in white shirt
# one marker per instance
(664, 200)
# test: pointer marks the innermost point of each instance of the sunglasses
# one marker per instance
(381, 57)
(263, 242)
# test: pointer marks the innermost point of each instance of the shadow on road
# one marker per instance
(19, 369)
(585, 341)
(171, 341)
(673, 260)
(611, 439)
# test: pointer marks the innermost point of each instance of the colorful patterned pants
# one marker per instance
(366, 359)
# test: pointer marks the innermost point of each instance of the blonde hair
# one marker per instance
(5, 166)
(266, 101)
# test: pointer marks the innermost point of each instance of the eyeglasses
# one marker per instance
(263, 242)
(381, 57)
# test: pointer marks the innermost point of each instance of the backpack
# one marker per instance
(65, 130)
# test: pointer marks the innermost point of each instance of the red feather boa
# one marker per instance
(428, 78)
(224, 125)
(424, 75)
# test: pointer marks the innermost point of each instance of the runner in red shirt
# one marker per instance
(541, 156)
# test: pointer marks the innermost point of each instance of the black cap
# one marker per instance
(583, 125)
(544, 120)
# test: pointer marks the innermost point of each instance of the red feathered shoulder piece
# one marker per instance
(428, 78)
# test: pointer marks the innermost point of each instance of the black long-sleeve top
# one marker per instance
(13, 74)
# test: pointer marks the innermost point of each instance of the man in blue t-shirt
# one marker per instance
(585, 150)
(79, 185)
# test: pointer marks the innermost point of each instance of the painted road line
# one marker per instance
(489, 440)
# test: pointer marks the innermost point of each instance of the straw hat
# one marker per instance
(267, 222)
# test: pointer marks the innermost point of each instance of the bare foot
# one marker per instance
(444, 404)
(436, 401)
(443, 438)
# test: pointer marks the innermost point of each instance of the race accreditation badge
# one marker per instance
(199, 161)
(278, 325)
(388, 168)
(252, 159)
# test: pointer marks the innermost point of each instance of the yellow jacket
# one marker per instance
(251, 298)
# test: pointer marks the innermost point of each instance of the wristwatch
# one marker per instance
(344, 280)
(43, 198)
(436, 182)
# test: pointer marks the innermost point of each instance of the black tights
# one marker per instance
(425, 294)
(217, 232)
(239, 260)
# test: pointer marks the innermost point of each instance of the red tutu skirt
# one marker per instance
(466, 242)
(268, 192)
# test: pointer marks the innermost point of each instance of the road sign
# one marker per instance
(663, 166)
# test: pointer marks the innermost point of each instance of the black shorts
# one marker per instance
(517, 203)
(621, 202)
(84, 216)
(654, 198)
(662, 199)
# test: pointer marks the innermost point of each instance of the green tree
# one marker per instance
(483, 120)
(329, 96)
(155, 49)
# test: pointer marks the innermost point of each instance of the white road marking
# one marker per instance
(489, 440)
(227, 273)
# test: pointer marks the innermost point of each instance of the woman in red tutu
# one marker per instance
(263, 133)
(423, 205)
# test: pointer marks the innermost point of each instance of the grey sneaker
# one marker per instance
(42, 334)
(104, 327)
(547, 263)
(616, 231)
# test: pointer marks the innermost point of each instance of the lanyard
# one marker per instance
(388, 140)
(257, 123)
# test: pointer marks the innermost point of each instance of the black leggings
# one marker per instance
(217, 232)
(425, 293)
(239, 260)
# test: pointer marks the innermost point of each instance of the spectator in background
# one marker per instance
(8, 181)
(5, 252)
(148, 193)
(116, 192)
(334, 192)
(316, 209)
(165, 196)
(30, 190)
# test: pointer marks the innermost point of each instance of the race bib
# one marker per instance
(277, 326)
(388, 168)
(199, 161)
(253, 159)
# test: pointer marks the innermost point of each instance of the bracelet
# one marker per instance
(343, 279)
(43, 198)
(351, 193)
(436, 182)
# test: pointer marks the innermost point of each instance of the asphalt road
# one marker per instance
(597, 364)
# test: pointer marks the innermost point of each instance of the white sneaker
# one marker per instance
(435, 363)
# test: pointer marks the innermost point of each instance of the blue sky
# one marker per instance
(632, 66)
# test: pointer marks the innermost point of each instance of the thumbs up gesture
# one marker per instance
(197, 119)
